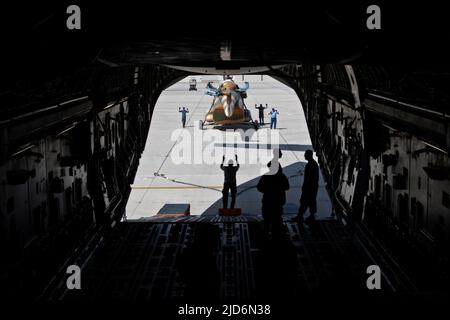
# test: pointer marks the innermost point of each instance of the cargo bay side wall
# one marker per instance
(382, 136)
(68, 161)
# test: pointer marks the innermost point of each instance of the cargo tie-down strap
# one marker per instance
(215, 188)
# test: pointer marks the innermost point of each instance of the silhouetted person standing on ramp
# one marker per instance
(261, 112)
(273, 188)
(183, 115)
(309, 188)
(229, 183)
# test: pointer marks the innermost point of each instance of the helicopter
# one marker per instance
(228, 107)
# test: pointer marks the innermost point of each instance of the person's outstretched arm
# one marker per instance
(237, 162)
(223, 160)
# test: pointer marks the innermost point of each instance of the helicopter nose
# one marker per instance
(228, 107)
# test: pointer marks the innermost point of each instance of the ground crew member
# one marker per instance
(229, 183)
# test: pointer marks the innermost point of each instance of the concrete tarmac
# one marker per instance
(198, 181)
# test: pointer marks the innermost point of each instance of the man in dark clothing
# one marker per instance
(261, 113)
(273, 187)
(309, 188)
(183, 115)
(229, 181)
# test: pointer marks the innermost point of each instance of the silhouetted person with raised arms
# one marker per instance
(273, 118)
(229, 183)
(309, 188)
(273, 188)
(183, 115)
(261, 112)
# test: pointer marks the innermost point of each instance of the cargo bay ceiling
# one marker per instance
(208, 37)
(187, 34)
